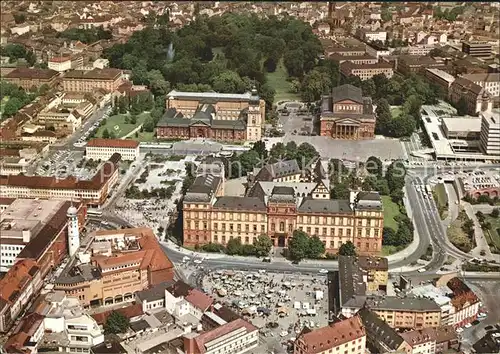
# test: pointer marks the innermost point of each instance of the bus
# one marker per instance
(94, 213)
(428, 189)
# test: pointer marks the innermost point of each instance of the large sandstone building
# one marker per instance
(346, 114)
(212, 115)
(279, 200)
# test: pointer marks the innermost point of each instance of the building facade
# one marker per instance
(343, 336)
(28, 78)
(117, 264)
(218, 116)
(477, 49)
(489, 81)
(346, 115)
(59, 64)
(93, 192)
(103, 149)
(366, 71)
(108, 79)
(477, 98)
(490, 133)
(278, 210)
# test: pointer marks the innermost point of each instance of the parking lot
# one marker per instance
(280, 305)
(154, 212)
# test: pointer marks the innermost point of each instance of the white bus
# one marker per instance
(428, 189)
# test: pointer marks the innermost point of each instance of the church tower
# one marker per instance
(254, 121)
(73, 231)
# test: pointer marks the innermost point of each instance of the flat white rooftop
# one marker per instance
(462, 124)
(441, 145)
(442, 74)
(213, 95)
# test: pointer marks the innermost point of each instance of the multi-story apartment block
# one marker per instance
(490, 132)
(93, 192)
(364, 59)
(219, 116)
(116, 265)
(345, 51)
(103, 149)
(440, 78)
(60, 64)
(377, 272)
(277, 210)
(21, 223)
(409, 313)
(477, 98)
(347, 115)
(27, 335)
(108, 79)
(477, 49)
(28, 78)
(343, 336)
(17, 288)
(408, 64)
(366, 71)
(489, 81)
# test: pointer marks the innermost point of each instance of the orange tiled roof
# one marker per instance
(113, 143)
(16, 278)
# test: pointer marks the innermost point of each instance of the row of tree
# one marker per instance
(228, 53)
(17, 97)
(17, 51)
(86, 35)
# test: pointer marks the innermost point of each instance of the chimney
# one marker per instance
(26, 235)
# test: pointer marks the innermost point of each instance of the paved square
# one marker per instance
(384, 149)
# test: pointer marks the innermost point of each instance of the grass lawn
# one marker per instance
(396, 111)
(3, 103)
(282, 87)
(442, 197)
(146, 137)
(457, 236)
(117, 125)
(388, 250)
(493, 235)
(391, 210)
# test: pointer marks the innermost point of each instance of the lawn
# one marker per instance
(457, 236)
(442, 197)
(117, 125)
(395, 111)
(493, 235)
(391, 210)
(282, 87)
(146, 137)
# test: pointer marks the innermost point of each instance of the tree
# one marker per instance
(133, 119)
(374, 166)
(157, 83)
(316, 247)
(260, 148)
(495, 213)
(105, 133)
(12, 107)
(314, 85)
(384, 117)
(228, 82)
(233, 246)
(278, 151)
(263, 245)
(461, 107)
(340, 191)
(395, 175)
(389, 237)
(298, 245)
(347, 249)
(306, 153)
(116, 323)
(149, 124)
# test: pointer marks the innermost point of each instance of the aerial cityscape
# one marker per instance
(238, 177)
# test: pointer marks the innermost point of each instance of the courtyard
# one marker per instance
(119, 127)
(280, 305)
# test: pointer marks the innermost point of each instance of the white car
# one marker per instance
(421, 270)
(197, 261)
(185, 259)
(323, 271)
(459, 330)
(468, 325)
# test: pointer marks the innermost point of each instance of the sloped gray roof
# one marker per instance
(240, 203)
(379, 331)
(324, 206)
(347, 92)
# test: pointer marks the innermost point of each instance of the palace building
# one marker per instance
(212, 115)
(278, 202)
(346, 114)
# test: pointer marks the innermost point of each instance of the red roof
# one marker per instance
(113, 143)
(59, 59)
(218, 332)
(129, 312)
(332, 336)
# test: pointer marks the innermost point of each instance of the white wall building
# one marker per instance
(489, 81)
(102, 149)
(59, 64)
(65, 315)
(490, 132)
